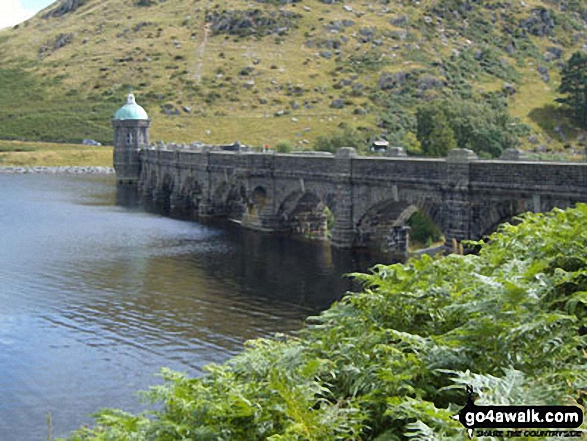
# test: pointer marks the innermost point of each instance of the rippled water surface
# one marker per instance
(95, 298)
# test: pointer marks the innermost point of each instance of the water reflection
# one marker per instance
(96, 297)
(305, 272)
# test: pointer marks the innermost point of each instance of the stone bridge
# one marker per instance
(367, 200)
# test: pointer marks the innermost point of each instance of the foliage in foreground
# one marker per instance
(390, 363)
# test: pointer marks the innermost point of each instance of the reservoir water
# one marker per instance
(96, 297)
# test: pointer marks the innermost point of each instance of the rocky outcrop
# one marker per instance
(544, 73)
(337, 104)
(251, 22)
(65, 7)
(553, 53)
(540, 23)
(389, 81)
(400, 21)
(169, 109)
(509, 89)
(60, 41)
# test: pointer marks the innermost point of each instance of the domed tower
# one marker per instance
(131, 133)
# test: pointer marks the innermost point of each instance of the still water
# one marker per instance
(96, 297)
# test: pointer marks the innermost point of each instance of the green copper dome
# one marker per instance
(131, 110)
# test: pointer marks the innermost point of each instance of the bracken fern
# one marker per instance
(391, 362)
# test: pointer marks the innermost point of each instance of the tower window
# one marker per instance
(129, 138)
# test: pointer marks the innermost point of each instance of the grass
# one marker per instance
(30, 154)
(256, 129)
(534, 95)
(11, 148)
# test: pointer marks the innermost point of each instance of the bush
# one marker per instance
(434, 131)
(347, 138)
(284, 146)
(484, 127)
(423, 232)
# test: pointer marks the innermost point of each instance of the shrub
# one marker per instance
(434, 132)
(349, 137)
(284, 146)
(484, 127)
(423, 232)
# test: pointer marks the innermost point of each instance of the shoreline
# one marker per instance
(69, 170)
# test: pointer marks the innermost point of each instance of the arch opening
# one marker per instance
(487, 217)
(254, 207)
(163, 196)
(424, 233)
(259, 197)
(397, 228)
(148, 189)
(230, 200)
(306, 215)
(190, 197)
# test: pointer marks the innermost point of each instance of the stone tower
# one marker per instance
(131, 133)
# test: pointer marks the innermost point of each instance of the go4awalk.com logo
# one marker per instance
(512, 421)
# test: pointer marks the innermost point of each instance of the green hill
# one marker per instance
(262, 71)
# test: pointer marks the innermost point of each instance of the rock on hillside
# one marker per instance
(64, 7)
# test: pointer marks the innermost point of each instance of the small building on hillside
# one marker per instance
(379, 146)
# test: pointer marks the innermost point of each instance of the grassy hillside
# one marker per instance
(269, 70)
(30, 154)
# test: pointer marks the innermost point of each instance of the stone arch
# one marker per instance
(230, 199)
(150, 186)
(382, 226)
(259, 197)
(218, 197)
(325, 194)
(190, 196)
(255, 204)
(143, 180)
(236, 201)
(164, 192)
(305, 213)
(487, 217)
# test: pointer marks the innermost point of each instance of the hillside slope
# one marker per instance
(268, 70)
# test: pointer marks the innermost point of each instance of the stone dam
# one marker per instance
(366, 200)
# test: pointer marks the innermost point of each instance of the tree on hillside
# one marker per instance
(574, 86)
(485, 127)
(434, 131)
